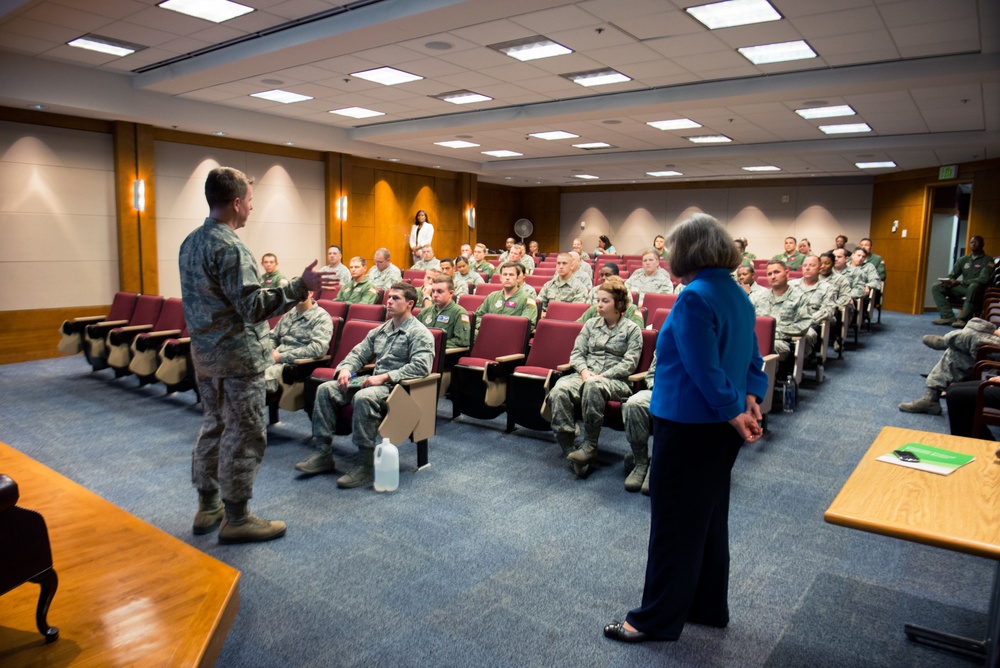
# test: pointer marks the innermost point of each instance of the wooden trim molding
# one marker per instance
(33, 334)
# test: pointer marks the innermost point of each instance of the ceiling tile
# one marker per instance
(390, 54)
(297, 9)
(23, 43)
(493, 32)
(557, 19)
(660, 24)
(116, 9)
(431, 67)
(772, 32)
(619, 56)
(687, 45)
(140, 34)
(795, 8)
(40, 30)
(60, 15)
(589, 39)
(841, 22)
(927, 12)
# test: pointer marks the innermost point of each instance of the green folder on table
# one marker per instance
(933, 460)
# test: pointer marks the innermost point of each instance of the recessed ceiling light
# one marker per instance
(666, 173)
(826, 112)
(875, 165)
(762, 168)
(777, 53)
(457, 143)
(586, 176)
(101, 44)
(845, 128)
(675, 124)
(215, 11)
(387, 76)
(593, 145)
(611, 121)
(282, 96)
(709, 139)
(734, 13)
(462, 97)
(357, 112)
(531, 48)
(219, 133)
(599, 77)
(438, 45)
(289, 143)
(554, 134)
(502, 154)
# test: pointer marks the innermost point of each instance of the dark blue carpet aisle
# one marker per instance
(498, 556)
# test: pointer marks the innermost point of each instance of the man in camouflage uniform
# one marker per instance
(272, 278)
(606, 351)
(427, 259)
(465, 274)
(511, 300)
(226, 309)
(820, 295)
(334, 264)
(577, 247)
(302, 333)
(359, 290)
(635, 415)
(651, 277)
(480, 264)
(448, 270)
(504, 256)
(863, 278)
(787, 305)
(518, 255)
(384, 273)
(873, 259)
(445, 314)
(960, 348)
(562, 288)
(840, 294)
(659, 245)
(967, 279)
(792, 258)
(582, 272)
(402, 348)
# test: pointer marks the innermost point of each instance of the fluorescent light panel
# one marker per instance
(215, 11)
(357, 112)
(462, 97)
(762, 168)
(113, 47)
(387, 76)
(675, 124)
(457, 143)
(666, 173)
(554, 134)
(588, 177)
(777, 53)
(826, 112)
(875, 165)
(593, 145)
(709, 139)
(734, 13)
(531, 48)
(502, 154)
(599, 77)
(846, 128)
(282, 96)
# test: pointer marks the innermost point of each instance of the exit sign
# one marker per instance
(948, 172)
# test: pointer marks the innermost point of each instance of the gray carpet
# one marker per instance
(498, 556)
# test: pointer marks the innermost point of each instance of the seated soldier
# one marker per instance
(562, 288)
(272, 278)
(533, 252)
(787, 305)
(820, 295)
(401, 348)
(635, 414)
(333, 263)
(384, 273)
(481, 265)
(504, 256)
(747, 279)
(582, 272)
(426, 260)
(445, 314)
(659, 245)
(302, 333)
(841, 294)
(465, 250)
(873, 259)
(960, 348)
(606, 352)
(518, 255)
(651, 277)
(741, 245)
(511, 300)
(967, 280)
(864, 278)
(424, 297)
(577, 247)
(631, 312)
(359, 290)
(791, 258)
(465, 274)
(448, 270)
(608, 269)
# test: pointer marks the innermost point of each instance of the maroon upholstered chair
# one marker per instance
(479, 379)
(352, 333)
(374, 312)
(122, 307)
(529, 383)
(613, 417)
(147, 310)
(565, 311)
(121, 340)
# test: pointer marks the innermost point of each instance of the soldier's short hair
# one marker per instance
(515, 265)
(266, 255)
(781, 263)
(650, 251)
(481, 247)
(224, 184)
(364, 262)
(446, 260)
(612, 267)
(384, 252)
(445, 279)
(409, 292)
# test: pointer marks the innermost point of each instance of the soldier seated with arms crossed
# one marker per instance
(302, 333)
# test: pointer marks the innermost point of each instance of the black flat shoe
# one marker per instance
(617, 631)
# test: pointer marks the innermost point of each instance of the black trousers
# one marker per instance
(687, 569)
(961, 398)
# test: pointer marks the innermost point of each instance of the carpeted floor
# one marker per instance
(498, 556)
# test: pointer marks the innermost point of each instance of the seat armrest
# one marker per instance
(455, 351)
(152, 340)
(125, 335)
(298, 370)
(311, 360)
(177, 347)
(637, 377)
(984, 365)
(99, 330)
(564, 367)
(504, 359)
(88, 319)
(417, 382)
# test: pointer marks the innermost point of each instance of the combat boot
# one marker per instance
(321, 462)
(210, 513)
(635, 479)
(930, 403)
(567, 441)
(363, 472)
(241, 526)
(935, 341)
(588, 450)
(645, 483)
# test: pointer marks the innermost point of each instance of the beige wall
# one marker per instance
(58, 234)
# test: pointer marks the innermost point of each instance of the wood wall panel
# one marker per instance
(145, 158)
(542, 207)
(33, 335)
(129, 257)
(497, 207)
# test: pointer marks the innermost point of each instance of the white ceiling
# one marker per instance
(924, 74)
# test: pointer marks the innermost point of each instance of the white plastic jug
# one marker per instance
(386, 466)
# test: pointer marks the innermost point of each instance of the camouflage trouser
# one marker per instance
(958, 360)
(369, 409)
(784, 347)
(570, 391)
(635, 413)
(233, 436)
(272, 375)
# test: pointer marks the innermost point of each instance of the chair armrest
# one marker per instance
(637, 377)
(298, 370)
(311, 360)
(502, 366)
(984, 365)
(417, 382)
(564, 367)
(87, 319)
(175, 348)
(455, 351)
(99, 330)
(987, 352)
(152, 340)
(125, 335)
(504, 359)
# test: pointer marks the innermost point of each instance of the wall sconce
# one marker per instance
(342, 207)
(139, 195)
(470, 217)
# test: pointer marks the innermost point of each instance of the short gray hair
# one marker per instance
(701, 242)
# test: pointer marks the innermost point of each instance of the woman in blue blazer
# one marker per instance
(709, 379)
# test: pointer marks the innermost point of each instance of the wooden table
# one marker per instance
(957, 512)
(129, 594)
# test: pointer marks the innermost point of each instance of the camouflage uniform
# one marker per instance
(793, 261)
(471, 280)
(528, 263)
(273, 280)
(583, 279)
(792, 316)
(404, 352)
(423, 265)
(519, 304)
(453, 319)
(483, 267)
(342, 273)
(461, 287)
(631, 312)
(298, 336)
(635, 411)
(383, 280)
(957, 361)
(613, 354)
(226, 311)
(879, 264)
(659, 282)
(860, 278)
(529, 290)
(587, 272)
(819, 300)
(357, 292)
(974, 272)
(558, 290)
(503, 257)
(841, 295)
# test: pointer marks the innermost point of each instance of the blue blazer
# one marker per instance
(707, 359)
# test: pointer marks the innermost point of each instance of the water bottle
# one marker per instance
(788, 395)
(386, 467)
